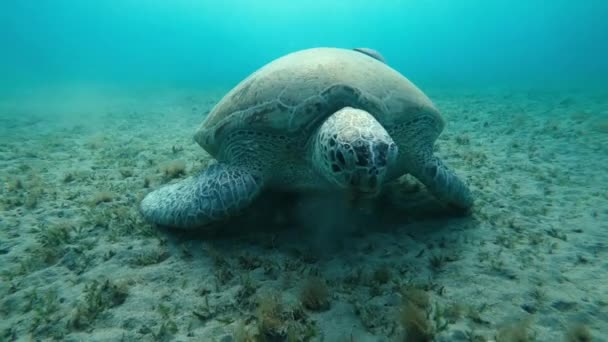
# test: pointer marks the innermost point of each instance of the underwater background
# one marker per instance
(99, 101)
(202, 42)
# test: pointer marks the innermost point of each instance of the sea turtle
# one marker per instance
(320, 119)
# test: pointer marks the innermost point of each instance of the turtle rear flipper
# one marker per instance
(215, 193)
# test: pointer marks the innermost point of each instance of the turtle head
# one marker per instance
(353, 151)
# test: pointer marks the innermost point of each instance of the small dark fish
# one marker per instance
(372, 53)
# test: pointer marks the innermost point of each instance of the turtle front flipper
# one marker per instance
(443, 183)
(215, 193)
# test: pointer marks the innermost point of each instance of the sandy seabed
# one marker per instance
(77, 263)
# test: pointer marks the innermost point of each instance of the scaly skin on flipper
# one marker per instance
(215, 193)
(442, 182)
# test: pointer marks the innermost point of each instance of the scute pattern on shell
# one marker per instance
(294, 93)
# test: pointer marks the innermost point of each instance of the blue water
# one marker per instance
(522, 84)
(220, 42)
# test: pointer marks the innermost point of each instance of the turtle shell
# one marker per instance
(292, 95)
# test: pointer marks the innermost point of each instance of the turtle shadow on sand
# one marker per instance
(313, 217)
